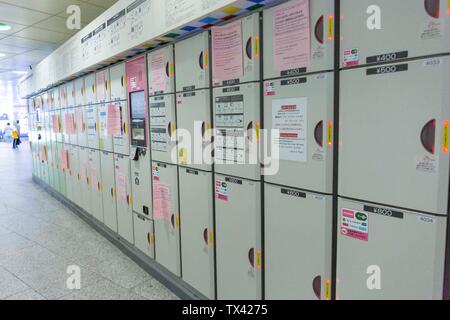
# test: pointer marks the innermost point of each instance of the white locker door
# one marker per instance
(55, 164)
(250, 52)
(90, 90)
(62, 97)
(141, 181)
(81, 124)
(61, 172)
(79, 89)
(237, 125)
(71, 94)
(83, 159)
(70, 120)
(103, 86)
(123, 197)
(163, 128)
(118, 82)
(144, 235)
(301, 154)
(194, 118)
(122, 142)
(197, 232)
(192, 63)
(238, 238)
(406, 249)
(166, 216)
(380, 35)
(92, 126)
(161, 76)
(105, 139)
(59, 131)
(298, 244)
(94, 182)
(108, 187)
(65, 135)
(394, 134)
(72, 174)
(287, 59)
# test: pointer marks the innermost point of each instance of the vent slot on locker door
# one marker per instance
(432, 8)
(248, 48)
(318, 133)
(318, 30)
(428, 136)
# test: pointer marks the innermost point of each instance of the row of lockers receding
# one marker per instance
(192, 58)
(381, 109)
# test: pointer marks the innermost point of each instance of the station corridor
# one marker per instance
(40, 239)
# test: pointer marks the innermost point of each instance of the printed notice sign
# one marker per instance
(161, 201)
(355, 224)
(121, 187)
(158, 72)
(114, 120)
(64, 159)
(221, 190)
(289, 117)
(291, 43)
(227, 56)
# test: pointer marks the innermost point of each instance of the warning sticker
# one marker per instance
(427, 164)
(431, 30)
(269, 89)
(355, 224)
(221, 190)
(351, 57)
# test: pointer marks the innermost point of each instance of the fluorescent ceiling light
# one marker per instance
(2, 54)
(4, 26)
(19, 72)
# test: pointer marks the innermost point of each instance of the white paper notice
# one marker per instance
(291, 43)
(227, 52)
(158, 72)
(289, 116)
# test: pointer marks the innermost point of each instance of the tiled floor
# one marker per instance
(40, 239)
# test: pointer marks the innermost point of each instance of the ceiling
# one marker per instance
(37, 28)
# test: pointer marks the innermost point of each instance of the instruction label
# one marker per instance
(355, 224)
(351, 57)
(221, 190)
(289, 116)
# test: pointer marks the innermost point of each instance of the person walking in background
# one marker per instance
(16, 135)
(7, 133)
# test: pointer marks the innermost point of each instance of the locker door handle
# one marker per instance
(432, 8)
(112, 192)
(203, 129)
(121, 81)
(205, 236)
(428, 136)
(150, 239)
(172, 220)
(200, 60)
(128, 199)
(168, 69)
(318, 133)
(169, 129)
(248, 48)
(317, 287)
(98, 186)
(318, 30)
(251, 257)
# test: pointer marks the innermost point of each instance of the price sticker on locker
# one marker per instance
(355, 224)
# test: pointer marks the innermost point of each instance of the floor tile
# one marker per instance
(10, 284)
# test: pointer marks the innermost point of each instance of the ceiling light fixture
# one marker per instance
(4, 26)
(2, 55)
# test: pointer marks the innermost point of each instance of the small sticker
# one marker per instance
(351, 57)
(322, 76)
(221, 190)
(269, 89)
(431, 30)
(427, 164)
(426, 219)
(155, 173)
(355, 224)
(432, 62)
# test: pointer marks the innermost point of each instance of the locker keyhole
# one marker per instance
(318, 30)
(432, 8)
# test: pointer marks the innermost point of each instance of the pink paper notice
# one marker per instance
(292, 43)
(93, 175)
(227, 52)
(158, 72)
(55, 121)
(44, 154)
(69, 123)
(101, 86)
(121, 187)
(114, 120)
(79, 121)
(161, 201)
(64, 159)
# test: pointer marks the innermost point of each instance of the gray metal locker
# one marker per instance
(62, 96)
(283, 38)
(124, 198)
(89, 89)
(122, 142)
(103, 86)
(192, 61)
(65, 135)
(141, 180)
(194, 117)
(163, 128)
(161, 75)
(118, 82)
(59, 133)
(250, 50)
(197, 232)
(61, 172)
(94, 183)
(237, 125)
(79, 89)
(82, 126)
(92, 126)
(70, 117)
(108, 187)
(54, 165)
(72, 176)
(144, 235)
(83, 167)
(403, 250)
(238, 238)
(166, 216)
(105, 139)
(301, 109)
(298, 244)
(71, 93)
(394, 134)
(381, 35)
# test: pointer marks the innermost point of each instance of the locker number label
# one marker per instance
(355, 224)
